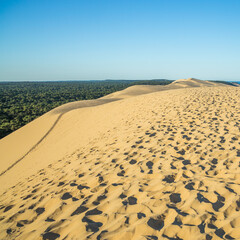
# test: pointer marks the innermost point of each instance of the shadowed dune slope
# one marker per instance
(136, 164)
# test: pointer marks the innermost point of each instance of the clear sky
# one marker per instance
(119, 39)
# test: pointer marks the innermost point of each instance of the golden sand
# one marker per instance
(149, 162)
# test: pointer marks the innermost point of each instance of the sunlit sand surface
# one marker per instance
(148, 162)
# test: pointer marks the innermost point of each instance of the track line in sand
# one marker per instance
(63, 110)
(32, 148)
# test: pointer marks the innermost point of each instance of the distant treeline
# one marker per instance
(22, 102)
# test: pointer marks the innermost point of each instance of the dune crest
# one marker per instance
(21, 143)
(162, 163)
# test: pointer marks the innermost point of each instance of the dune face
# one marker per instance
(162, 163)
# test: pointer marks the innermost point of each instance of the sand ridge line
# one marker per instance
(62, 110)
(25, 143)
(31, 149)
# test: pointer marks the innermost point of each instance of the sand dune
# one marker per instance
(192, 82)
(20, 144)
(148, 162)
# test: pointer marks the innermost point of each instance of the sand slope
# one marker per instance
(16, 150)
(162, 165)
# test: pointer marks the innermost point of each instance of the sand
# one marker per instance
(148, 162)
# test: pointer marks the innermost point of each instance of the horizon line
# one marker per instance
(109, 79)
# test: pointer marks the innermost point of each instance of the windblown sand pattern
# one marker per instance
(167, 167)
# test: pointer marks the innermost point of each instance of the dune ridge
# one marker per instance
(26, 139)
(161, 165)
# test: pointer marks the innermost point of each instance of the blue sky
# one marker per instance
(127, 39)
